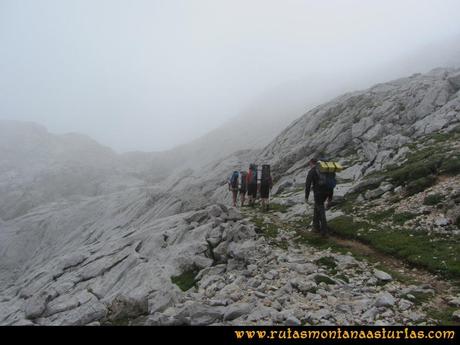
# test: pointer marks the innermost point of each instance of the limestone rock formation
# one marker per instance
(91, 237)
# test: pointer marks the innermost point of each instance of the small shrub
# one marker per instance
(420, 297)
(433, 199)
(442, 137)
(344, 225)
(319, 278)
(186, 280)
(420, 184)
(343, 277)
(348, 203)
(278, 207)
(451, 166)
(268, 230)
(381, 216)
(415, 170)
(401, 218)
(327, 261)
(444, 315)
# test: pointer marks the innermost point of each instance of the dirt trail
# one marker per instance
(416, 274)
(443, 288)
(411, 275)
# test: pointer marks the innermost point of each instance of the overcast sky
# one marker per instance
(149, 75)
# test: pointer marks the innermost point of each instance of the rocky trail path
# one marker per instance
(428, 298)
(443, 289)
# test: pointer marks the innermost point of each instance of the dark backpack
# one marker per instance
(234, 179)
(243, 175)
(265, 179)
(326, 180)
(253, 172)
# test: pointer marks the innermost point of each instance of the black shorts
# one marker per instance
(242, 191)
(252, 190)
(264, 191)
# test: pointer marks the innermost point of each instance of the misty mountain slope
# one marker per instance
(37, 167)
(369, 127)
(250, 131)
(126, 255)
(24, 141)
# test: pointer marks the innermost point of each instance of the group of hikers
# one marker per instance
(251, 182)
(321, 180)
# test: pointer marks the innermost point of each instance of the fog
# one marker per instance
(150, 75)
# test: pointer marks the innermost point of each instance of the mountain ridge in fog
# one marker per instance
(76, 258)
(96, 169)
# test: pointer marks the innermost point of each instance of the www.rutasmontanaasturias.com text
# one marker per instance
(378, 333)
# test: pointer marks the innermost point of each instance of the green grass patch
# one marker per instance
(274, 207)
(318, 241)
(349, 203)
(259, 224)
(401, 277)
(441, 137)
(327, 261)
(268, 230)
(343, 277)
(420, 184)
(451, 165)
(420, 297)
(348, 206)
(186, 280)
(381, 216)
(302, 224)
(443, 316)
(319, 278)
(423, 165)
(298, 189)
(419, 165)
(437, 255)
(433, 199)
(401, 218)
(283, 244)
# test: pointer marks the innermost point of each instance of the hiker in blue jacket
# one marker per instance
(233, 186)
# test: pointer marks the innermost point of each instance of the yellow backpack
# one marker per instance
(329, 167)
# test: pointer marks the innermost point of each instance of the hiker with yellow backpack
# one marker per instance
(321, 178)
